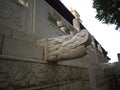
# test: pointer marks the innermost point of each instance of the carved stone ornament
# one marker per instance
(68, 47)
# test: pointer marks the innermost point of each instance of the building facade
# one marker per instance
(43, 46)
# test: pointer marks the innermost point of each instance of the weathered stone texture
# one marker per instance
(12, 15)
(19, 75)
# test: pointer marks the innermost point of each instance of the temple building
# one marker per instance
(44, 46)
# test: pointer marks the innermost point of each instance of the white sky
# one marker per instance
(105, 34)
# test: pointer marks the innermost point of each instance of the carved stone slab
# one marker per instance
(36, 76)
(68, 47)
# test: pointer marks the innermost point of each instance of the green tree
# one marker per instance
(108, 11)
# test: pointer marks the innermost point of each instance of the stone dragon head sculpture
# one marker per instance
(68, 47)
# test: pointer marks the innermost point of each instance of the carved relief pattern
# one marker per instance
(23, 74)
(68, 47)
(100, 77)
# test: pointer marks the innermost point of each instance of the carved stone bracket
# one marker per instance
(68, 47)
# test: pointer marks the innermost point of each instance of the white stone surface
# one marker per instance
(68, 47)
(76, 24)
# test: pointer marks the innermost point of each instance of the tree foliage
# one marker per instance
(108, 11)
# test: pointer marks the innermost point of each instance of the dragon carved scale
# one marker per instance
(68, 47)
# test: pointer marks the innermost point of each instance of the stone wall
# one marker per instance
(117, 74)
(22, 59)
(30, 75)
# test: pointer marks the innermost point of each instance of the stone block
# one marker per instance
(5, 30)
(23, 36)
(43, 76)
(15, 47)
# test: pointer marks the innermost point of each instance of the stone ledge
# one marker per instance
(15, 58)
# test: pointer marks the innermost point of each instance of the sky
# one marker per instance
(105, 34)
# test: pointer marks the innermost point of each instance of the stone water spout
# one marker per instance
(68, 47)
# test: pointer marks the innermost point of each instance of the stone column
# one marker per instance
(76, 24)
(76, 20)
